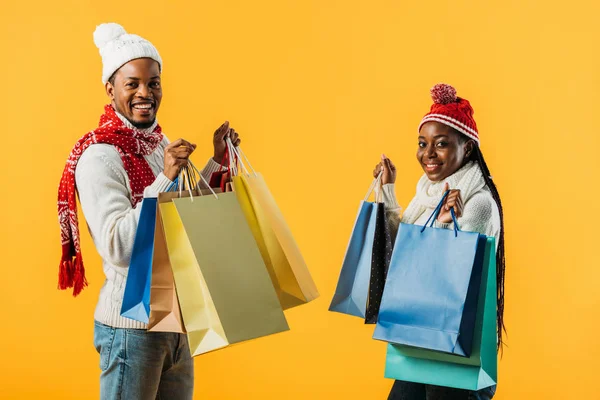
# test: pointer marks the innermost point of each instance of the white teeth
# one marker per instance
(143, 106)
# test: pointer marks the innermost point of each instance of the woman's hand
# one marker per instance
(453, 200)
(389, 170)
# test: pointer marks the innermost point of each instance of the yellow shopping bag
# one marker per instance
(204, 329)
(287, 268)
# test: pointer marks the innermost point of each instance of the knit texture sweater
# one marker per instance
(480, 212)
(105, 196)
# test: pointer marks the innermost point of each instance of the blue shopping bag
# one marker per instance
(351, 293)
(136, 299)
(476, 372)
(430, 296)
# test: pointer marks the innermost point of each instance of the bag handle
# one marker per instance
(436, 213)
(374, 184)
(189, 175)
(172, 185)
(237, 156)
(179, 183)
(229, 158)
(193, 169)
(184, 173)
(233, 159)
(241, 155)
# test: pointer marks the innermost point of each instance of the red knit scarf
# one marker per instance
(132, 145)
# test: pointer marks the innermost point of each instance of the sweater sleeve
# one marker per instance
(479, 215)
(160, 184)
(104, 195)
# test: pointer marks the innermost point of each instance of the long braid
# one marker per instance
(500, 264)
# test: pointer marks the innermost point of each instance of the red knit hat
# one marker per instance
(452, 111)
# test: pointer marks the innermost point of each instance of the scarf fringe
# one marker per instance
(71, 274)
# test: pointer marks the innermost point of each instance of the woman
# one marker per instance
(451, 159)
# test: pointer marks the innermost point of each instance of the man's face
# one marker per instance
(136, 92)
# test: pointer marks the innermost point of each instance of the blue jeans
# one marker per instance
(137, 364)
(417, 391)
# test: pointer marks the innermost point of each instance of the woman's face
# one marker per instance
(442, 150)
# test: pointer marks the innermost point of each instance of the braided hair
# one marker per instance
(500, 262)
(477, 156)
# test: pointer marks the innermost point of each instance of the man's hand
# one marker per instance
(177, 155)
(219, 141)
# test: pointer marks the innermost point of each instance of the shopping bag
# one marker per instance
(232, 266)
(165, 313)
(383, 245)
(351, 293)
(476, 372)
(241, 191)
(223, 286)
(136, 298)
(430, 296)
(203, 326)
(281, 254)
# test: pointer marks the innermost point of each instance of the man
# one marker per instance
(112, 169)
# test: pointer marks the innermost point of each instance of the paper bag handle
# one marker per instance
(436, 213)
(374, 184)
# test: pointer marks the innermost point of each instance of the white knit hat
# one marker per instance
(117, 47)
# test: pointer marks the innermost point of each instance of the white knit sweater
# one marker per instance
(480, 212)
(105, 197)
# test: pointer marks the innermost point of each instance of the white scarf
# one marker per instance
(468, 179)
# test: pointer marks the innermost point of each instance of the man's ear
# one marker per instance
(110, 90)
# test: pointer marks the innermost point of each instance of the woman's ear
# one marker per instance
(469, 147)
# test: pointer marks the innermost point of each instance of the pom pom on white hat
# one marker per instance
(117, 48)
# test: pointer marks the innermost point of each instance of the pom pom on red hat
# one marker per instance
(443, 93)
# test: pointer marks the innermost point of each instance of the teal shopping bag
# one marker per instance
(476, 372)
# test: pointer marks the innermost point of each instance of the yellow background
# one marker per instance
(318, 89)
